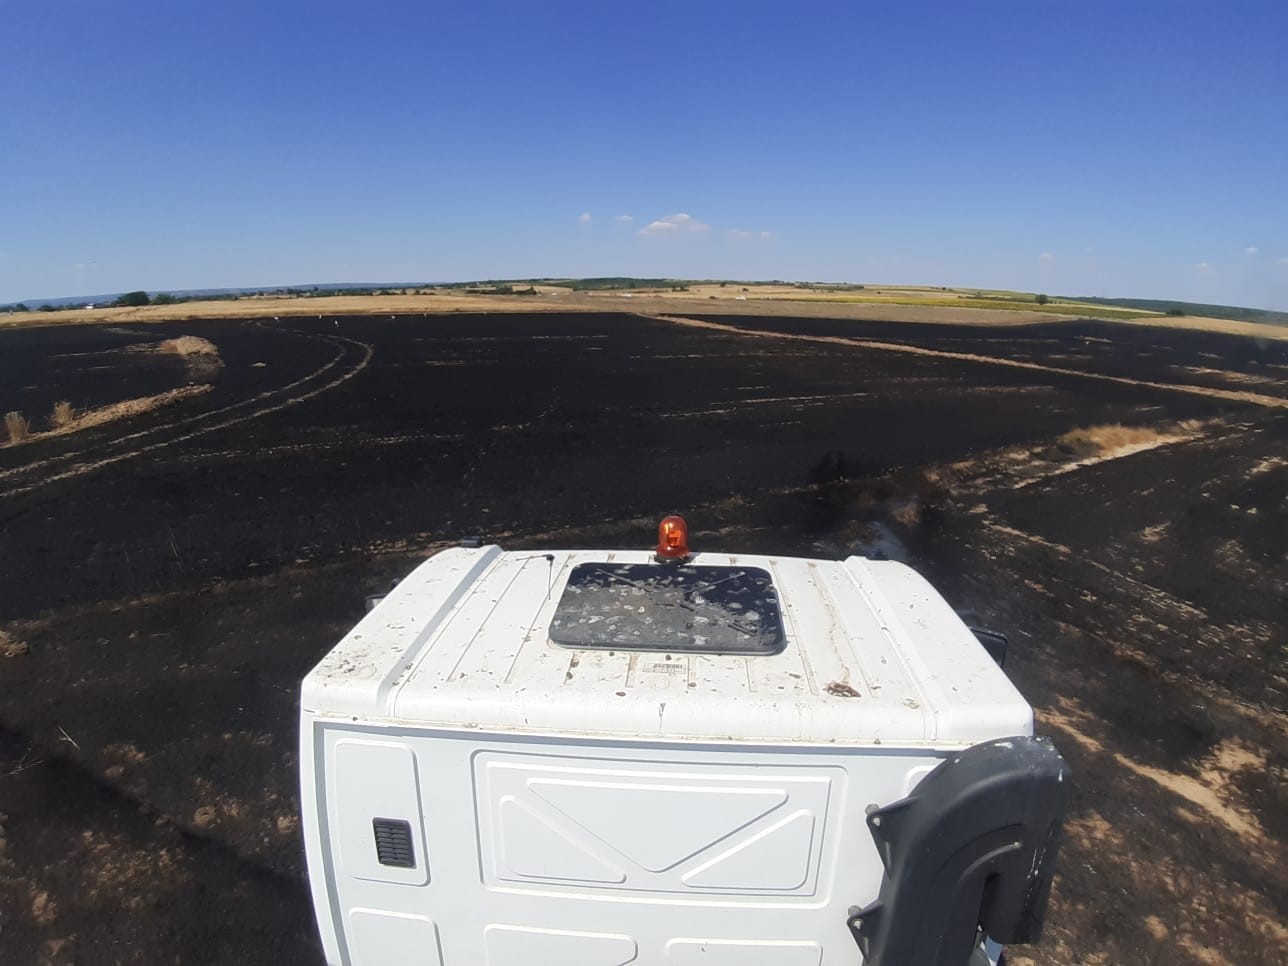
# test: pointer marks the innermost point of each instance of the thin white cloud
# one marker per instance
(1284, 262)
(1046, 258)
(623, 219)
(1251, 250)
(676, 224)
(744, 234)
(1203, 268)
(584, 218)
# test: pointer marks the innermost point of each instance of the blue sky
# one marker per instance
(1124, 148)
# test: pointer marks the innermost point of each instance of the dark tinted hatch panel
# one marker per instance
(669, 607)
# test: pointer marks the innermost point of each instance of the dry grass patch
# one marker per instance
(10, 646)
(1115, 439)
(17, 426)
(133, 407)
(62, 415)
(1109, 436)
(104, 414)
(200, 356)
(189, 345)
(1017, 467)
(1256, 330)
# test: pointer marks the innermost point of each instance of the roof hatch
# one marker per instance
(684, 608)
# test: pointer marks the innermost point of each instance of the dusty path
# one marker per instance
(1230, 395)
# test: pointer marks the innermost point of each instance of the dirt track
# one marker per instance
(172, 576)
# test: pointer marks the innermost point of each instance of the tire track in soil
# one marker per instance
(1231, 395)
(358, 355)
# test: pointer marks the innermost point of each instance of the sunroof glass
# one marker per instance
(668, 607)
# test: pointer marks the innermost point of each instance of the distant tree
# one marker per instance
(133, 299)
(46, 308)
(165, 298)
(1042, 299)
(1175, 311)
(21, 307)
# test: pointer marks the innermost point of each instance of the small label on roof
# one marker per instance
(691, 609)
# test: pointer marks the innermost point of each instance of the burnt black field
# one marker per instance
(174, 574)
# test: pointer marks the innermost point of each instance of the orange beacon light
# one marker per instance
(673, 540)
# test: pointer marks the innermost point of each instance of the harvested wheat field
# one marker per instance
(905, 304)
(1113, 496)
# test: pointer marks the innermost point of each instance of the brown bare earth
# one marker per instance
(1112, 496)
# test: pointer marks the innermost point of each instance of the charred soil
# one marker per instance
(169, 577)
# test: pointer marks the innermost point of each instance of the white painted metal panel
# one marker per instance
(517, 832)
(716, 952)
(601, 824)
(380, 938)
(516, 946)
(370, 780)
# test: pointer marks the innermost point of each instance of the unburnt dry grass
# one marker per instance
(201, 365)
(17, 426)
(1112, 439)
(10, 646)
(902, 303)
(63, 414)
(65, 419)
(189, 345)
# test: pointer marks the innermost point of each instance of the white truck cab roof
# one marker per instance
(867, 652)
(626, 757)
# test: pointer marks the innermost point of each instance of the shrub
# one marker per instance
(18, 427)
(1042, 300)
(62, 415)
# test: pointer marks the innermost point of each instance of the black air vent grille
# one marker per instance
(393, 842)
